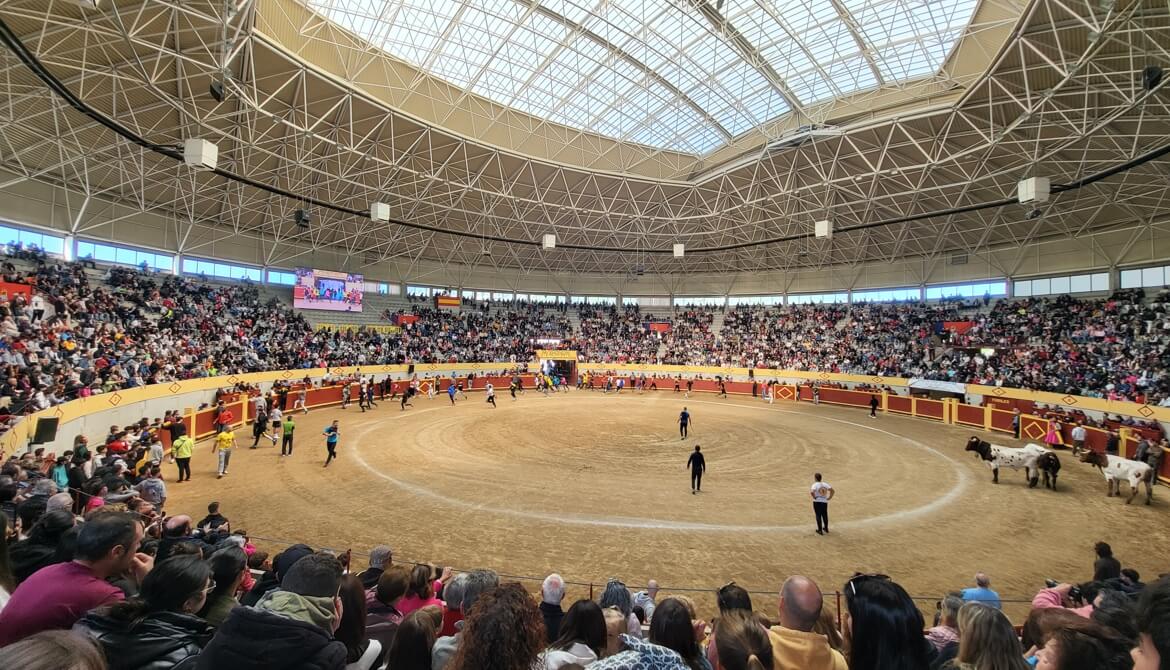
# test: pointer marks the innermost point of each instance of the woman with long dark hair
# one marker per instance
(581, 638)
(361, 652)
(420, 592)
(672, 643)
(157, 629)
(42, 547)
(411, 648)
(883, 627)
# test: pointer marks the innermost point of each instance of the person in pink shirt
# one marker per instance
(421, 591)
(56, 596)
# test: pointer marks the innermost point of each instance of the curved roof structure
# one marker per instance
(685, 75)
(854, 114)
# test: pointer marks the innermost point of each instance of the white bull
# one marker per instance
(1116, 468)
(1032, 458)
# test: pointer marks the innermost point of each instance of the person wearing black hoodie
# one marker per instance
(290, 627)
(1106, 566)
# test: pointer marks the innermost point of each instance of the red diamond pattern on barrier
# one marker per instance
(175, 387)
(1145, 411)
(114, 399)
(1069, 400)
(1034, 431)
(999, 391)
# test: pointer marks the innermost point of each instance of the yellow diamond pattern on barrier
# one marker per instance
(286, 374)
(114, 399)
(877, 379)
(1069, 400)
(1146, 411)
(824, 376)
(998, 391)
(58, 412)
(174, 387)
(233, 379)
(1033, 431)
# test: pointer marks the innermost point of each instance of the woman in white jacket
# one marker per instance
(582, 637)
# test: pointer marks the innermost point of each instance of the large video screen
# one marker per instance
(322, 289)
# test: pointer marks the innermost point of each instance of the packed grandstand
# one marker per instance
(97, 331)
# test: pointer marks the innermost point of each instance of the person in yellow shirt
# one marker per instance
(181, 450)
(794, 644)
(225, 441)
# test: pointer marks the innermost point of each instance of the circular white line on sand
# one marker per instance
(656, 524)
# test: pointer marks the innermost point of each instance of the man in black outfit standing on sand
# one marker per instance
(873, 405)
(684, 422)
(698, 466)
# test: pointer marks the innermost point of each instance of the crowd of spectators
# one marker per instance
(74, 336)
(610, 334)
(116, 587)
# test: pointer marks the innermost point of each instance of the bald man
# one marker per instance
(794, 645)
(647, 599)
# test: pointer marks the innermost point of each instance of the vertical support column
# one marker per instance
(987, 418)
(886, 402)
(913, 406)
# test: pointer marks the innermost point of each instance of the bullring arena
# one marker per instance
(577, 479)
(918, 248)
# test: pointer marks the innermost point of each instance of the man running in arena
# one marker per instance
(491, 394)
(225, 441)
(300, 401)
(677, 382)
(344, 394)
(451, 392)
(684, 422)
(406, 395)
(698, 466)
(332, 434)
(362, 396)
(690, 385)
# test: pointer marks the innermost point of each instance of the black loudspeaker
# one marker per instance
(410, 370)
(751, 373)
(216, 90)
(45, 432)
(303, 218)
(1151, 77)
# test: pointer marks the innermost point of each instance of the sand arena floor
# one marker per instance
(594, 486)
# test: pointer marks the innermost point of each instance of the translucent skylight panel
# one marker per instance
(907, 61)
(703, 88)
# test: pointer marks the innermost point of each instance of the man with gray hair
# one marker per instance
(552, 593)
(794, 644)
(380, 557)
(453, 594)
(477, 583)
(646, 600)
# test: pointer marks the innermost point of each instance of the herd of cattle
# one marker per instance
(1037, 461)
